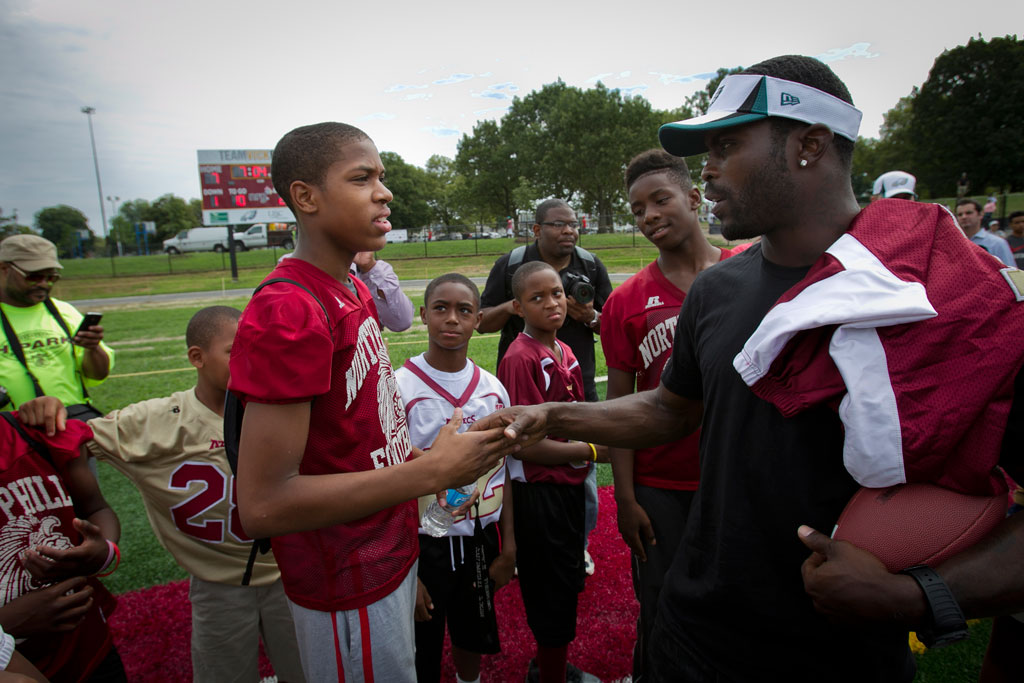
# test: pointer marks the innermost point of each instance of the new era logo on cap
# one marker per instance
(789, 99)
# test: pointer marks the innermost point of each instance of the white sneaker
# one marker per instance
(588, 563)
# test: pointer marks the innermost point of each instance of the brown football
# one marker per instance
(917, 523)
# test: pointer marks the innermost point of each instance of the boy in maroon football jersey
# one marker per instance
(325, 464)
(654, 486)
(537, 368)
(58, 534)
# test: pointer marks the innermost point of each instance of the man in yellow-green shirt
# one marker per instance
(41, 350)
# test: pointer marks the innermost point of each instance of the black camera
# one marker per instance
(578, 287)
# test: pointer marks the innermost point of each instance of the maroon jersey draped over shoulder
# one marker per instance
(285, 352)
(533, 374)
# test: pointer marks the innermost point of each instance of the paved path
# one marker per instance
(188, 297)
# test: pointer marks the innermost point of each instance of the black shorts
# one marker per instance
(455, 601)
(549, 557)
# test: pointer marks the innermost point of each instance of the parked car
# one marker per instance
(198, 239)
(263, 235)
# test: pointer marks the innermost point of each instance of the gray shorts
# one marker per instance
(370, 643)
(227, 624)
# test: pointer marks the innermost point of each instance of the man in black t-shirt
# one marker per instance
(743, 600)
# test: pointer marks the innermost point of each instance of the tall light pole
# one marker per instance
(89, 111)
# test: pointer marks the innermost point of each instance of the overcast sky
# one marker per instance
(170, 78)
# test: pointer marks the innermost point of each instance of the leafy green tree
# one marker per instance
(9, 225)
(445, 190)
(891, 151)
(576, 143)
(408, 183)
(490, 168)
(66, 227)
(171, 214)
(967, 117)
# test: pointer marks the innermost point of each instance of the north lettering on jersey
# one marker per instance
(369, 351)
(658, 341)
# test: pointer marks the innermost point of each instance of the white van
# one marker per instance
(199, 239)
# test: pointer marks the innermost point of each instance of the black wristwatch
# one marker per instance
(947, 624)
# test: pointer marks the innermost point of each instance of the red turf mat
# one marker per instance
(152, 627)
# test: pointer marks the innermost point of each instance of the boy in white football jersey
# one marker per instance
(172, 449)
(432, 385)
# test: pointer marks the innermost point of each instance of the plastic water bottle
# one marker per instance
(436, 519)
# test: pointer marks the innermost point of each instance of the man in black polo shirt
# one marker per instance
(556, 232)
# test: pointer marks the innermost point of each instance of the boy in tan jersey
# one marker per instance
(172, 449)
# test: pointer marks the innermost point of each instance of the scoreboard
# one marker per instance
(237, 189)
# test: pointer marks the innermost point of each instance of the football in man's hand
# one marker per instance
(917, 523)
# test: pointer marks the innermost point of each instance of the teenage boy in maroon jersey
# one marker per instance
(324, 455)
(654, 486)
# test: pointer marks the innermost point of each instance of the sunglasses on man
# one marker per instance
(37, 277)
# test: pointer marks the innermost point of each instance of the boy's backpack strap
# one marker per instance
(234, 411)
(301, 286)
(35, 444)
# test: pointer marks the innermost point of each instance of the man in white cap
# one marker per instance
(748, 596)
(43, 352)
(894, 185)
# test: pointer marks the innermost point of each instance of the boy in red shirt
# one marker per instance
(547, 478)
(654, 486)
(325, 463)
(58, 534)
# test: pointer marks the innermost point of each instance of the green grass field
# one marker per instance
(208, 271)
(151, 362)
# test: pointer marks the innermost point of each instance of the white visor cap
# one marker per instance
(745, 98)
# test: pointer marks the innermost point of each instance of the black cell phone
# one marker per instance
(88, 321)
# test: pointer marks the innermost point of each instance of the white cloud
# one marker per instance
(667, 79)
(454, 78)
(379, 116)
(838, 54)
(481, 112)
(634, 89)
(442, 131)
(402, 86)
(490, 94)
